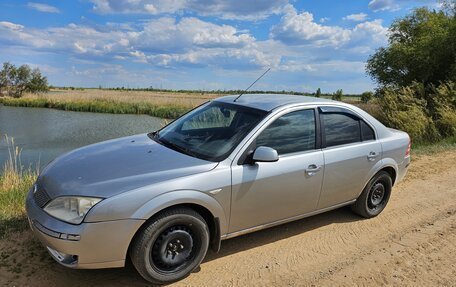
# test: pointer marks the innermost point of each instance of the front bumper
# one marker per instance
(87, 245)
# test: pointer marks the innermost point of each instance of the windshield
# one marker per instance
(210, 132)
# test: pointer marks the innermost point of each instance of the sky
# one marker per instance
(207, 44)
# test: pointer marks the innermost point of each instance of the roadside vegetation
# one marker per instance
(15, 181)
(416, 74)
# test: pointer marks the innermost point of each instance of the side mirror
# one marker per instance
(265, 154)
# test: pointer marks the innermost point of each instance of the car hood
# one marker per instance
(112, 167)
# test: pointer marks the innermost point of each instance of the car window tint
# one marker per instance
(213, 117)
(340, 129)
(367, 132)
(293, 132)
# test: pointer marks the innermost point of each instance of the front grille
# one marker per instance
(41, 197)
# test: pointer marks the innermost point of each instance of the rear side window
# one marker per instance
(340, 129)
(367, 132)
(293, 132)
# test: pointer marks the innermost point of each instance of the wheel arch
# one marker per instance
(391, 167)
(203, 204)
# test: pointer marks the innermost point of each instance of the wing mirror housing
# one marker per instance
(265, 154)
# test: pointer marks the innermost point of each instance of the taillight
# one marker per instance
(409, 148)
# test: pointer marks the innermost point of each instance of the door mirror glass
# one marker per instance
(265, 154)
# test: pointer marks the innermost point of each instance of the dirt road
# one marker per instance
(413, 242)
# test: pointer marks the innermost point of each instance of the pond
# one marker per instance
(43, 134)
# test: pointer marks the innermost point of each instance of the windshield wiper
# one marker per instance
(176, 147)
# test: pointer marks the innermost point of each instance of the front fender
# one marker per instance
(177, 197)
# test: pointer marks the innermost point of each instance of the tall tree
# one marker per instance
(422, 48)
(15, 81)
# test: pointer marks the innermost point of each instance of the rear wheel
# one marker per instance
(171, 246)
(375, 196)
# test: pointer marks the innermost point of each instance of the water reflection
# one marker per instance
(43, 134)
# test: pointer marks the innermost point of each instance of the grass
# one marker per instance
(168, 105)
(15, 181)
(158, 104)
(432, 148)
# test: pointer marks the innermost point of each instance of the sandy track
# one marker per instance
(413, 242)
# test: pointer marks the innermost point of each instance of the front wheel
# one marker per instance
(375, 196)
(171, 246)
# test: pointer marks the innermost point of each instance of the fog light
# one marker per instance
(62, 257)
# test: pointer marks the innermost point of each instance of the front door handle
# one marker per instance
(312, 169)
(372, 156)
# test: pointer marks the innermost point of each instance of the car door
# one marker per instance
(265, 192)
(350, 151)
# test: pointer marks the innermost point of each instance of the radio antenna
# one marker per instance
(252, 84)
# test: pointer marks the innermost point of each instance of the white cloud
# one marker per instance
(43, 7)
(360, 17)
(383, 5)
(228, 9)
(324, 19)
(165, 35)
(370, 33)
(162, 42)
(300, 29)
(10, 26)
(298, 44)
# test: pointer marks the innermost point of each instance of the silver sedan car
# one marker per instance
(226, 168)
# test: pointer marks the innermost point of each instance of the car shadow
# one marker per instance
(129, 277)
(277, 233)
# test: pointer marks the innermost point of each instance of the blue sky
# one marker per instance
(208, 44)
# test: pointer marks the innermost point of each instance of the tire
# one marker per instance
(375, 196)
(170, 246)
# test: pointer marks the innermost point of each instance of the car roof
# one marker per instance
(268, 102)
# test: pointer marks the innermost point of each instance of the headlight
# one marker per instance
(71, 209)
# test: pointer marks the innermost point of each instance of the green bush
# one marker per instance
(426, 113)
(338, 95)
(366, 97)
(442, 106)
(400, 109)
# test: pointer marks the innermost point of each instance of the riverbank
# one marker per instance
(169, 105)
(15, 181)
(100, 106)
(158, 104)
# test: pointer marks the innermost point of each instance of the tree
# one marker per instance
(37, 83)
(337, 96)
(15, 81)
(422, 48)
(7, 75)
(366, 97)
(318, 93)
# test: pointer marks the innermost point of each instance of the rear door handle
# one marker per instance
(312, 169)
(372, 156)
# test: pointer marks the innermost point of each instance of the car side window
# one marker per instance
(293, 132)
(340, 129)
(367, 132)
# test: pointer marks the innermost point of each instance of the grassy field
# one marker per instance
(159, 104)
